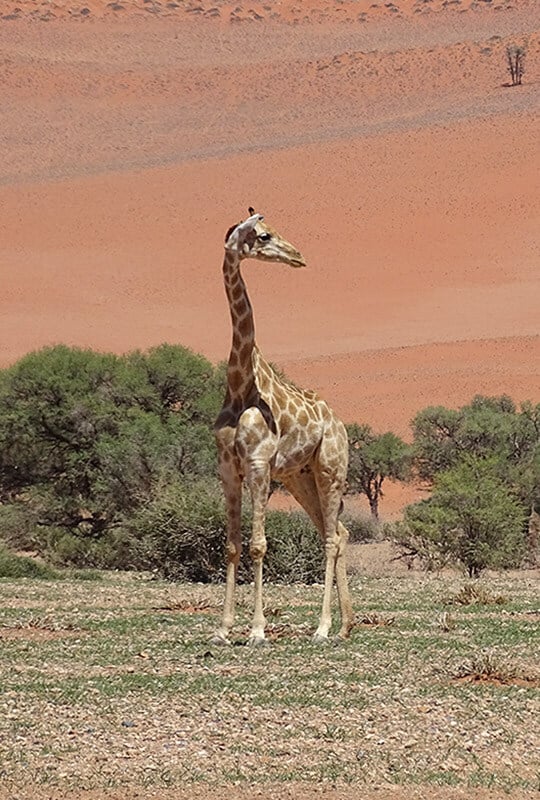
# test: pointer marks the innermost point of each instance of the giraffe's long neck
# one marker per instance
(240, 377)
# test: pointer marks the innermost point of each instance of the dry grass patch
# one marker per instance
(201, 605)
(488, 667)
(472, 594)
(372, 619)
(531, 615)
(38, 628)
(285, 630)
(446, 622)
(36, 634)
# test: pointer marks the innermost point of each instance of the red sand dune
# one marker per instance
(377, 136)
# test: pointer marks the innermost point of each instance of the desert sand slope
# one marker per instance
(387, 148)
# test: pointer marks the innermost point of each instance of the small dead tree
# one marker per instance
(515, 56)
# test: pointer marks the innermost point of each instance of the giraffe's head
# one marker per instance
(254, 239)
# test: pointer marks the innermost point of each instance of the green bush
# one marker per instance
(86, 437)
(181, 532)
(489, 428)
(18, 526)
(15, 566)
(472, 518)
(64, 549)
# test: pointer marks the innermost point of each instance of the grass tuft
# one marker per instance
(374, 619)
(488, 667)
(446, 622)
(472, 594)
(189, 605)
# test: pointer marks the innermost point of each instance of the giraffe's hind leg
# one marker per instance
(330, 474)
(303, 488)
(342, 583)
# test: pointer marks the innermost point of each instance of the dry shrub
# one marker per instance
(374, 619)
(473, 595)
(181, 534)
(188, 605)
(362, 528)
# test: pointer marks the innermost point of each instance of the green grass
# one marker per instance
(101, 673)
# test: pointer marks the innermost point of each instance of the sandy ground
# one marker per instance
(378, 137)
(281, 792)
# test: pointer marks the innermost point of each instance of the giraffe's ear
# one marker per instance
(251, 211)
(231, 229)
(236, 236)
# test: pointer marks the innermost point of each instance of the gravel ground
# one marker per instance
(110, 689)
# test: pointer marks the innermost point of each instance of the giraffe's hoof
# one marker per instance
(319, 638)
(219, 640)
(257, 641)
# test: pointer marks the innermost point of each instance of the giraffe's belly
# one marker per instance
(291, 456)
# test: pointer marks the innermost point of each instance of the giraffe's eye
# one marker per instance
(264, 237)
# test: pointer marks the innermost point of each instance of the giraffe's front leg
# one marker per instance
(258, 479)
(232, 488)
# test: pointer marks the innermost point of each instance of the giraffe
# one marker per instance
(267, 429)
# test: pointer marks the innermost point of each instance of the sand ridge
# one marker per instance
(292, 12)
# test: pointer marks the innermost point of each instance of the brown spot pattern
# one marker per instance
(235, 380)
(303, 418)
(245, 325)
(245, 353)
